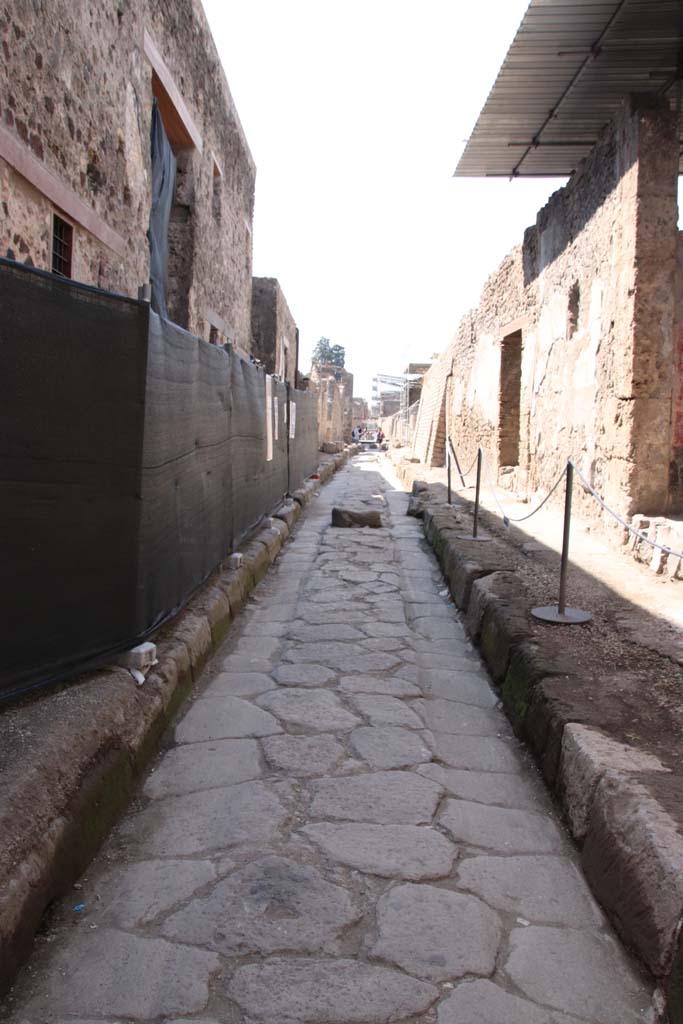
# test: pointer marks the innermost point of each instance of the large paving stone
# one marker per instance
(346, 657)
(385, 746)
(538, 888)
(352, 575)
(224, 718)
(435, 629)
(379, 628)
(304, 675)
(320, 633)
(487, 787)
(134, 894)
(238, 684)
(392, 851)
(477, 753)
(334, 991)
(381, 797)
(271, 905)
(108, 972)
(315, 614)
(435, 933)
(383, 710)
(467, 687)
(245, 663)
(258, 647)
(303, 755)
(186, 825)
(461, 719)
(310, 709)
(482, 1002)
(501, 829)
(198, 766)
(393, 686)
(583, 974)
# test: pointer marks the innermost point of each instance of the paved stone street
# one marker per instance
(345, 829)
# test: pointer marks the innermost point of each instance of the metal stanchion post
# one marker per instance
(476, 534)
(562, 614)
(475, 525)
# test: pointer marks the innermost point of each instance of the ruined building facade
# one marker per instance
(333, 386)
(77, 85)
(576, 347)
(275, 336)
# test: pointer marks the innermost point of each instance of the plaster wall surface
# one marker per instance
(333, 386)
(77, 85)
(593, 292)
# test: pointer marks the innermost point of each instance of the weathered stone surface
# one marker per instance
(257, 647)
(246, 663)
(478, 753)
(271, 905)
(434, 628)
(304, 675)
(335, 991)
(583, 974)
(451, 717)
(487, 787)
(184, 825)
(345, 657)
(310, 709)
(393, 851)
(303, 755)
(385, 746)
(502, 829)
(224, 718)
(382, 797)
(633, 857)
(111, 972)
(538, 888)
(131, 895)
(435, 933)
(482, 1002)
(379, 628)
(586, 755)
(321, 633)
(238, 684)
(383, 710)
(454, 684)
(200, 766)
(392, 686)
(349, 518)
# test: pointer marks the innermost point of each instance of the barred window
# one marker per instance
(62, 246)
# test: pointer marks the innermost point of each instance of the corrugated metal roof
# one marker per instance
(567, 71)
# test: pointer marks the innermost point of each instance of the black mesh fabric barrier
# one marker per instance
(72, 378)
(133, 458)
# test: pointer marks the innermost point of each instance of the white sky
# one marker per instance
(356, 113)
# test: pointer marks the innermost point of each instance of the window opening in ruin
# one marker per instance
(573, 308)
(510, 390)
(62, 246)
(214, 338)
(217, 194)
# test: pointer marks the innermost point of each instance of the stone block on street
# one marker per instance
(346, 517)
(393, 851)
(391, 797)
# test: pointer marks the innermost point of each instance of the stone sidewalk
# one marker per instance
(344, 829)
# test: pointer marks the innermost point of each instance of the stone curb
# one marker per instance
(631, 850)
(88, 741)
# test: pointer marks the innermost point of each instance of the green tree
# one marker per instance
(324, 352)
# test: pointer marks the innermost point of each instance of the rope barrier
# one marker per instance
(520, 519)
(636, 533)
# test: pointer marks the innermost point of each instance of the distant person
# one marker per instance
(380, 436)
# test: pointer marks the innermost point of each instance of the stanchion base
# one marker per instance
(468, 536)
(570, 616)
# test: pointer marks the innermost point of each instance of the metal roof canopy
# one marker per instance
(570, 66)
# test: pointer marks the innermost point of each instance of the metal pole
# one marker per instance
(448, 471)
(475, 525)
(561, 604)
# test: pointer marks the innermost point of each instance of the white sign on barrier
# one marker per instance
(269, 418)
(276, 418)
(292, 419)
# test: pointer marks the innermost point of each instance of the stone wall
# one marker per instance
(571, 349)
(77, 82)
(334, 387)
(275, 337)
